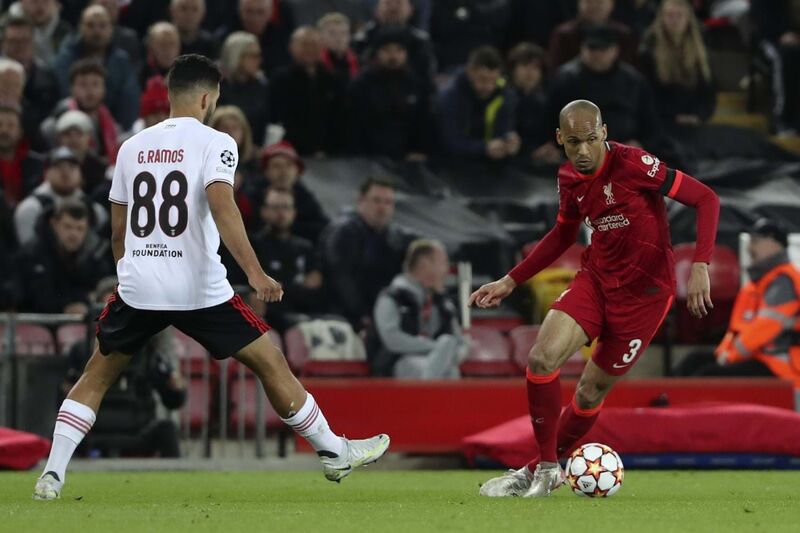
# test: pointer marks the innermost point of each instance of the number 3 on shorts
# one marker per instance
(634, 345)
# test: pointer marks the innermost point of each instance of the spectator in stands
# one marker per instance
(59, 268)
(187, 16)
(777, 29)
(615, 86)
(244, 84)
(122, 37)
(476, 111)
(638, 15)
(417, 327)
(526, 69)
(282, 168)
(129, 423)
(232, 121)
(674, 60)
(762, 338)
(41, 86)
(309, 12)
(337, 56)
(154, 103)
(74, 130)
(534, 21)
(307, 100)
(93, 40)
(362, 251)
(12, 86)
(420, 12)
(566, 39)
(272, 22)
(62, 182)
(7, 247)
(49, 29)
(398, 13)
(163, 46)
(20, 168)
(390, 109)
(291, 260)
(460, 26)
(87, 92)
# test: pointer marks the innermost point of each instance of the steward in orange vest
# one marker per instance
(765, 322)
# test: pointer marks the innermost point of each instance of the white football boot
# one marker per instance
(546, 479)
(512, 483)
(48, 487)
(357, 453)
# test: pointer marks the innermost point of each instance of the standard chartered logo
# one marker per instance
(610, 222)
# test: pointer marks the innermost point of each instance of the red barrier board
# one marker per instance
(433, 417)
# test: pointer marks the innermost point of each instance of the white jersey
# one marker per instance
(171, 240)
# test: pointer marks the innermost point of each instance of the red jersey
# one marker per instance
(622, 202)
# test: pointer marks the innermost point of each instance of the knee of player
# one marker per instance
(543, 359)
(588, 395)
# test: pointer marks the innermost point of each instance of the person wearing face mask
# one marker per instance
(416, 324)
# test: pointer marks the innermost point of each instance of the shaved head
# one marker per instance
(580, 111)
(582, 134)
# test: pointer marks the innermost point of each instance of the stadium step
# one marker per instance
(731, 103)
(753, 121)
(788, 142)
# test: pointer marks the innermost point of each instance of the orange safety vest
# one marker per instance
(754, 326)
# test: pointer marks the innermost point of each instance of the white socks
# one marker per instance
(309, 422)
(73, 422)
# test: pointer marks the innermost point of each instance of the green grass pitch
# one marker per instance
(380, 501)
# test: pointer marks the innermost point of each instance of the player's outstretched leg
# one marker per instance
(559, 338)
(75, 419)
(296, 407)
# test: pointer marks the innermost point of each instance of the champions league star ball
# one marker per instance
(595, 470)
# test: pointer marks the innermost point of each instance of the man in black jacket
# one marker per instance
(615, 86)
(363, 251)
(397, 14)
(390, 113)
(308, 100)
(289, 259)
(57, 271)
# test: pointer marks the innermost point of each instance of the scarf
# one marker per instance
(349, 56)
(11, 174)
(108, 132)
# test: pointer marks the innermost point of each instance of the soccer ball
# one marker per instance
(595, 470)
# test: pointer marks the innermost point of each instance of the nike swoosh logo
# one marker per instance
(617, 365)
(580, 198)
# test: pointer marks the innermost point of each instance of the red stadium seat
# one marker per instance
(523, 339)
(30, 339)
(193, 359)
(723, 272)
(69, 334)
(297, 355)
(489, 354)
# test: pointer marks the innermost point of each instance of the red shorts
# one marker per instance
(623, 326)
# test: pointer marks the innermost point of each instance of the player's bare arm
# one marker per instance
(119, 221)
(231, 230)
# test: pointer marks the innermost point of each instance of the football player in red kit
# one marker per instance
(621, 294)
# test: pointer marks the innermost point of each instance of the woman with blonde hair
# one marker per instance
(231, 120)
(675, 61)
(244, 84)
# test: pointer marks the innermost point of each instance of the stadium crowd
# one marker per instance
(406, 80)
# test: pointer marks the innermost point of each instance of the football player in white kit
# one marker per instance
(172, 200)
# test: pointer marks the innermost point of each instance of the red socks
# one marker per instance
(544, 404)
(575, 423)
